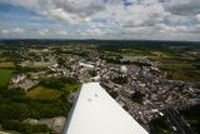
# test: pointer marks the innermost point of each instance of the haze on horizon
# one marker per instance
(100, 19)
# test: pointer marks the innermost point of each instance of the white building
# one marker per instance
(86, 65)
(123, 69)
(96, 112)
(18, 78)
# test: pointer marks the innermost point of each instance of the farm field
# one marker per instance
(42, 93)
(5, 76)
(180, 69)
(7, 65)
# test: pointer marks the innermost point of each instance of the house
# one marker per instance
(18, 78)
(86, 65)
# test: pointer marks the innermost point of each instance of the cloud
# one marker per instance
(12, 32)
(198, 17)
(43, 32)
(24, 3)
(109, 18)
(16, 30)
(71, 11)
(142, 15)
(183, 7)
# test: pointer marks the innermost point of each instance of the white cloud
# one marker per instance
(183, 7)
(5, 31)
(25, 3)
(104, 18)
(43, 32)
(198, 17)
(16, 30)
(70, 11)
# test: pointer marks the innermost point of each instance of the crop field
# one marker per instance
(7, 65)
(5, 76)
(128, 52)
(181, 71)
(42, 93)
(3, 59)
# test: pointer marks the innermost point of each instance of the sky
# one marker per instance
(100, 19)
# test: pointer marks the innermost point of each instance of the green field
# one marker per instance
(5, 75)
(181, 71)
(42, 93)
(140, 52)
(71, 87)
(67, 85)
(128, 52)
(3, 59)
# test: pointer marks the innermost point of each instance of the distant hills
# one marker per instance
(105, 43)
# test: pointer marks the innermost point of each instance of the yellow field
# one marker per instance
(158, 53)
(7, 65)
(43, 93)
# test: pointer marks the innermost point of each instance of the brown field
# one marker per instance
(42, 93)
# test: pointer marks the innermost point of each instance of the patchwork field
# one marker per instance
(179, 65)
(5, 76)
(42, 93)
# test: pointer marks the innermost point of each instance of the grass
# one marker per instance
(67, 84)
(128, 52)
(70, 88)
(135, 52)
(158, 53)
(42, 93)
(5, 76)
(181, 71)
(175, 67)
(179, 67)
(163, 54)
(7, 65)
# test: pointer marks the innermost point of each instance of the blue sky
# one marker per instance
(101, 19)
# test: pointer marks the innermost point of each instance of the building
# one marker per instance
(123, 69)
(18, 78)
(89, 66)
(96, 112)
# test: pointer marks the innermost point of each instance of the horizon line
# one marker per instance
(62, 39)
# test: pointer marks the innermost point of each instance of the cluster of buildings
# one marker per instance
(156, 93)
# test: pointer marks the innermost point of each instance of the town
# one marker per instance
(159, 88)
